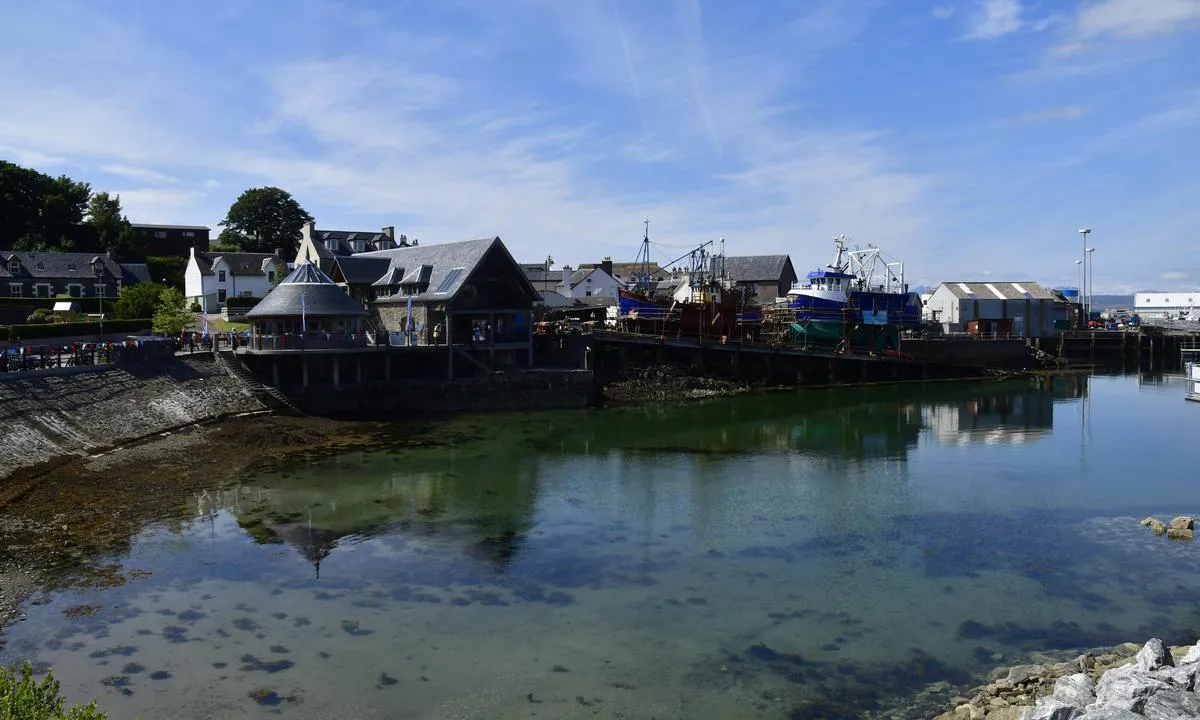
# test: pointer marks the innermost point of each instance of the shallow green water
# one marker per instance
(803, 555)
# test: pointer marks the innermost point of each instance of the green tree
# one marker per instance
(138, 301)
(264, 219)
(112, 228)
(171, 317)
(22, 698)
(39, 212)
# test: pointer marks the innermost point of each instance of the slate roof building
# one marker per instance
(470, 296)
(306, 303)
(213, 277)
(323, 247)
(1020, 309)
(76, 275)
(767, 277)
(169, 240)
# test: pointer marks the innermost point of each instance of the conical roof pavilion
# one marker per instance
(307, 284)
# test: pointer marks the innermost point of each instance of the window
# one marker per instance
(246, 293)
(99, 289)
(98, 269)
(188, 234)
(14, 289)
(221, 295)
(220, 276)
(448, 281)
(271, 276)
(75, 290)
(160, 234)
(71, 267)
(41, 266)
(41, 290)
(14, 266)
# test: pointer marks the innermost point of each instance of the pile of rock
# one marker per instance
(1122, 684)
(1179, 529)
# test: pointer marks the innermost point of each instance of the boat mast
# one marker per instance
(642, 262)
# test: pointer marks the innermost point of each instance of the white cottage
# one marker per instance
(593, 284)
(213, 277)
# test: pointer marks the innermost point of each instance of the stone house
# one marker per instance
(471, 296)
(76, 275)
(765, 277)
(323, 247)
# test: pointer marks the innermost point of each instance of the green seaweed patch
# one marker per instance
(160, 675)
(175, 634)
(133, 668)
(270, 698)
(122, 650)
(80, 611)
(251, 663)
(191, 616)
(386, 680)
(279, 649)
(350, 627)
(245, 624)
(117, 682)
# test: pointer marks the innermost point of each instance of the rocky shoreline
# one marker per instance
(1127, 682)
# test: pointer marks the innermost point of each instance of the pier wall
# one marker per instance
(44, 416)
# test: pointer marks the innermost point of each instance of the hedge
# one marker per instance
(33, 332)
(87, 305)
(241, 303)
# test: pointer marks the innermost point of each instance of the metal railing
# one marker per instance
(28, 358)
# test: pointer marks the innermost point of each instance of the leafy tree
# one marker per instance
(138, 301)
(171, 317)
(228, 241)
(39, 212)
(167, 269)
(112, 228)
(22, 697)
(264, 219)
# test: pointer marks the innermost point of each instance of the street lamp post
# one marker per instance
(1086, 309)
(1079, 264)
(1091, 264)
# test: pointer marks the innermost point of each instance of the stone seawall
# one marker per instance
(51, 416)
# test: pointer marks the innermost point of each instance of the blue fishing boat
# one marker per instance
(858, 287)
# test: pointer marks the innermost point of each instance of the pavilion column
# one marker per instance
(358, 368)
(304, 373)
(337, 369)
(450, 346)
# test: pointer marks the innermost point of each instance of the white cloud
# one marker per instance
(942, 12)
(158, 205)
(1066, 112)
(211, 184)
(1175, 275)
(31, 158)
(1136, 18)
(138, 173)
(996, 18)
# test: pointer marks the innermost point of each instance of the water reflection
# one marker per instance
(803, 554)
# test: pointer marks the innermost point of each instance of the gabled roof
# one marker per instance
(998, 290)
(391, 278)
(59, 265)
(443, 259)
(238, 263)
(140, 272)
(359, 270)
(537, 272)
(757, 268)
(450, 266)
(308, 291)
(346, 242)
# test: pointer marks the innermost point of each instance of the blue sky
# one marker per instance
(968, 138)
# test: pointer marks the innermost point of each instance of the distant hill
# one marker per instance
(1105, 302)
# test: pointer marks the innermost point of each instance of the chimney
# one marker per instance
(390, 231)
(111, 255)
(402, 242)
(308, 230)
(566, 274)
(606, 266)
(279, 253)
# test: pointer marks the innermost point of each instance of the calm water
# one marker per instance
(754, 557)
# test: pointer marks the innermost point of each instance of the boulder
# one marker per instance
(1183, 676)
(1049, 708)
(1150, 521)
(1192, 655)
(1076, 689)
(1183, 522)
(1127, 687)
(1154, 655)
(1179, 534)
(1158, 526)
(1023, 674)
(1171, 704)
(1107, 713)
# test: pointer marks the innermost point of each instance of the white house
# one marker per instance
(594, 283)
(212, 277)
(1163, 305)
